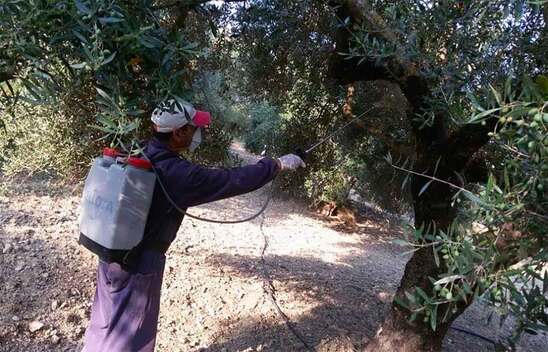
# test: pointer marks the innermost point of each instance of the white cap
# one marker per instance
(172, 115)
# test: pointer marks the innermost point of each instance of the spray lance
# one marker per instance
(302, 153)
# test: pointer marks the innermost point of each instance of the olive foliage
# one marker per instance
(101, 67)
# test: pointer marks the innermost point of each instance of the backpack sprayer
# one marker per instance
(115, 204)
(118, 194)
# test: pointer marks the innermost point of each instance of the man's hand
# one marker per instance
(290, 162)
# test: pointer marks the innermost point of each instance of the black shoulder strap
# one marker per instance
(150, 243)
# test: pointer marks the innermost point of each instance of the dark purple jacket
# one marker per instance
(189, 184)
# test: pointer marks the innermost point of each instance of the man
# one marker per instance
(125, 309)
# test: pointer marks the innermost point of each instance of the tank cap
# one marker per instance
(139, 163)
(112, 152)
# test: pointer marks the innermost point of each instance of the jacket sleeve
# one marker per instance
(197, 184)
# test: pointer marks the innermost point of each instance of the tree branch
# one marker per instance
(347, 70)
(432, 138)
(467, 140)
(187, 3)
(6, 76)
(396, 69)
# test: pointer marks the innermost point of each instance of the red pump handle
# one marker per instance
(139, 163)
(112, 152)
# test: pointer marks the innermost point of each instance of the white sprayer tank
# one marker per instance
(115, 204)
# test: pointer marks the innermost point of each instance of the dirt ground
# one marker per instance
(333, 286)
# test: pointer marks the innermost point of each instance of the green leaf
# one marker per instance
(130, 127)
(475, 199)
(508, 89)
(413, 317)
(475, 102)
(436, 257)
(135, 112)
(88, 53)
(104, 94)
(436, 167)
(518, 11)
(106, 120)
(448, 279)
(107, 20)
(423, 189)
(32, 89)
(400, 242)
(434, 318)
(401, 302)
(80, 36)
(79, 66)
(496, 94)
(405, 181)
(82, 8)
(146, 43)
(545, 282)
(466, 287)
(410, 297)
(191, 45)
(423, 294)
(109, 59)
(479, 117)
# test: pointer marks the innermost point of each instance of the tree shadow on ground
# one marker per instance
(38, 267)
(30, 285)
(349, 300)
(36, 271)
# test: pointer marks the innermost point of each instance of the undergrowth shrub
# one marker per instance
(263, 128)
(352, 160)
(45, 139)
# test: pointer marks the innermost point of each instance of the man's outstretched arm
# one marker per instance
(204, 185)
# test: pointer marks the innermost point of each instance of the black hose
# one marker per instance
(270, 290)
(473, 334)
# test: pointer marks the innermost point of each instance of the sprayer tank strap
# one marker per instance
(151, 238)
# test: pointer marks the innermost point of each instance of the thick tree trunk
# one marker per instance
(442, 157)
(432, 210)
(396, 334)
